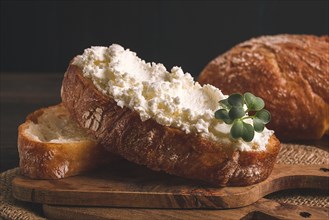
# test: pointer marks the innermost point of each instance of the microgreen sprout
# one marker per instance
(233, 112)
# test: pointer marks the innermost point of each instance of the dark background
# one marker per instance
(43, 36)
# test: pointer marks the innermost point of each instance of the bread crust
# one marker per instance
(158, 147)
(45, 160)
(291, 74)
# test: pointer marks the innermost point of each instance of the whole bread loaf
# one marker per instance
(122, 131)
(291, 74)
(52, 146)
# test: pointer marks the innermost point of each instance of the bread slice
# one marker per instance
(52, 146)
(123, 131)
(289, 72)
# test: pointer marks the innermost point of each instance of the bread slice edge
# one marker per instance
(40, 158)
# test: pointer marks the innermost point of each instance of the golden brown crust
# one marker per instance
(291, 74)
(159, 147)
(44, 160)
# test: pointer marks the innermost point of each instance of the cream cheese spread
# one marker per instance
(172, 98)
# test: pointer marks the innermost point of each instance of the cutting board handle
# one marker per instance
(295, 176)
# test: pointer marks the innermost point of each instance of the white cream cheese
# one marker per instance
(171, 98)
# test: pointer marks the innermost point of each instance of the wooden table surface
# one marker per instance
(22, 93)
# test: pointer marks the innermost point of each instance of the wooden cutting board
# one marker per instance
(128, 185)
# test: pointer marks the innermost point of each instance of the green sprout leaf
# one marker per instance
(236, 112)
(258, 124)
(232, 112)
(224, 104)
(242, 130)
(235, 100)
(248, 132)
(223, 115)
(253, 103)
(263, 115)
(237, 129)
(249, 99)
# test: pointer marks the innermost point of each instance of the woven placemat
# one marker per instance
(302, 154)
(11, 208)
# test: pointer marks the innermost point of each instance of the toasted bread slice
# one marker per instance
(53, 146)
(122, 131)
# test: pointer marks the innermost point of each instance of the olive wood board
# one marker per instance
(260, 210)
(129, 185)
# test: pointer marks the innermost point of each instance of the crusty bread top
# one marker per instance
(291, 74)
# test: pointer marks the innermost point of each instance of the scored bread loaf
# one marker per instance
(289, 72)
(101, 91)
(52, 146)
